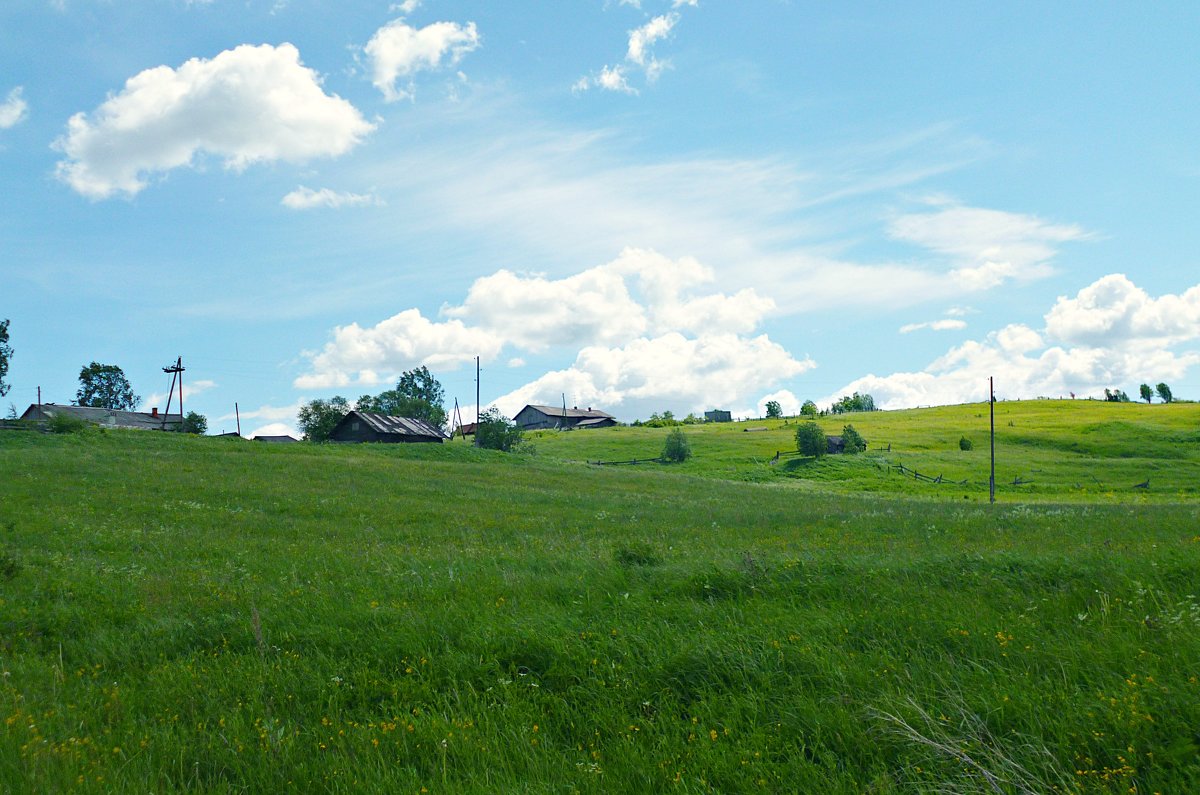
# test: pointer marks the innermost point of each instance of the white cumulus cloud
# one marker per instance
(251, 104)
(648, 374)
(1110, 334)
(303, 198)
(633, 304)
(14, 109)
(1115, 313)
(371, 356)
(397, 51)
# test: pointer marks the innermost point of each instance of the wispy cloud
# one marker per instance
(303, 198)
(988, 247)
(639, 54)
(14, 109)
(934, 325)
(190, 390)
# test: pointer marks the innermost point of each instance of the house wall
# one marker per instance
(530, 419)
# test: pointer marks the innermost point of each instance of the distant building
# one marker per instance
(533, 418)
(718, 415)
(106, 418)
(364, 426)
(285, 439)
(835, 444)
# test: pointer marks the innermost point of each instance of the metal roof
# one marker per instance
(558, 411)
(109, 418)
(593, 421)
(403, 426)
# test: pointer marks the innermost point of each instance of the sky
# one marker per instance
(632, 205)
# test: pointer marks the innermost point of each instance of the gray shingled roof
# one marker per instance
(404, 426)
(558, 411)
(110, 418)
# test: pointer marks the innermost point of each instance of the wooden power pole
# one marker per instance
(992, 415)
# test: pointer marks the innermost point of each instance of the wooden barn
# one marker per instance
(718, 415)
(835, 445)
(106, 418)
(533, 418)
(364, 426)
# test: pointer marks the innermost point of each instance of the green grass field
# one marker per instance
(184, 614)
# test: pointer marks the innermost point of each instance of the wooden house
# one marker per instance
(365, 426)
(533, 418)
(718, 415)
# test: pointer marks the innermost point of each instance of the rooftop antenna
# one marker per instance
(176, 371)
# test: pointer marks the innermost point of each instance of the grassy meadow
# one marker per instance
(182, 614)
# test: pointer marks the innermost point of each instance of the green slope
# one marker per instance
(1056, 449)
(207, 615)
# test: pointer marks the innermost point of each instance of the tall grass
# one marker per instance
(203, 615)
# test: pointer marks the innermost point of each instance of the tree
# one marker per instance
(852, 441)
(417, 394)
(105, 386)
(194, 423)
(810, 439)
(497, 432)
(318, 418)
(855, 402)
(774, 410)
(1115, 396)
(1146, 392)
(6, 353)
(1163, 390)
(809, 409)
(677, 449)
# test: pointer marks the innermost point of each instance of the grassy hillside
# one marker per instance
(207, 615)
(1057, 449)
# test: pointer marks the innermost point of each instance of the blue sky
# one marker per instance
(650, 205)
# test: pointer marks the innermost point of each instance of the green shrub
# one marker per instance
(497, 432)
(677, 448)
(965, 444)
(65, 423)
(194, 423)
(852, 440)
(810, 440)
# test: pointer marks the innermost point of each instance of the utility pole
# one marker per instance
(238, 415)
(476, 401)
(992, 414)
(176, 371)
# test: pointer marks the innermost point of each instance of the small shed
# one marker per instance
(106, 418)
(365, 426)
(534, 417)
(835, 444)
(718, 415)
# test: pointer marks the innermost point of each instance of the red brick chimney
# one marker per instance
(154, 411)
